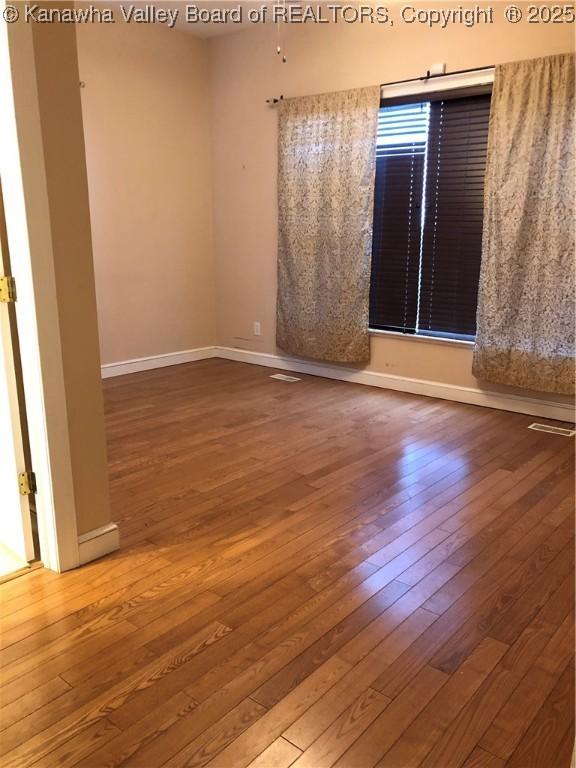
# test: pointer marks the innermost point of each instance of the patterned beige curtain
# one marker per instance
(526, 314)
(327, 156)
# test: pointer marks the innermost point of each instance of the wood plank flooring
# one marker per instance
(311, 574)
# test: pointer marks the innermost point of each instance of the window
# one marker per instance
(428, 201)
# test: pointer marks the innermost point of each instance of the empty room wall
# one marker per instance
(245, 72)
(145, 104)
(182, 161)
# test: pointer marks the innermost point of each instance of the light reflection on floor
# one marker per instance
(9, 562)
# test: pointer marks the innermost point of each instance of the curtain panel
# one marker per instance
(526, 318)
(327, 156)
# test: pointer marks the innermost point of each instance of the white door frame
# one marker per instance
(30, 242)
(15, 520)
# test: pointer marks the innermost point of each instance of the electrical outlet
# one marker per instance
(257, 328)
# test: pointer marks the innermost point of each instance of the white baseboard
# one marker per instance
(547, 409)
(97, 543)
(156, 361)
(543, 408)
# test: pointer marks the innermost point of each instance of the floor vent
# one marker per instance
(283, 377)
(553, 430)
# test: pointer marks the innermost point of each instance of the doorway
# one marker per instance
(18, 542)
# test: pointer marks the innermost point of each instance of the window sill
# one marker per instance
(422, 339)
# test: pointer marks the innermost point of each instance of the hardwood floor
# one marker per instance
(311, 574)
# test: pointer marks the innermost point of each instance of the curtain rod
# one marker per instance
(428, 76)
(277, 99)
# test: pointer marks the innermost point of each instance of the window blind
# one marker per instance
(427, 236)
(452, 238)
(397, 229)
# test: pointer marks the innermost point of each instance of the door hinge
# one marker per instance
(27, 483)
(7, 289)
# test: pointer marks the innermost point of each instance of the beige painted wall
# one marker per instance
(245, 71)
(67, 190)
(146, 119)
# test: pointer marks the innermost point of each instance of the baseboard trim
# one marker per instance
(97, 543)
(516, 403)
(156, 361)
(504, 402)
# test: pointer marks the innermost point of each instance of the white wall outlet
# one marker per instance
(257, 328)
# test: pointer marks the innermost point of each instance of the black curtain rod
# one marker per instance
(427, 76)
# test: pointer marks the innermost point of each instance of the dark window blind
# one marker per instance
(400, 165)
(452, 240)
(426, 263)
